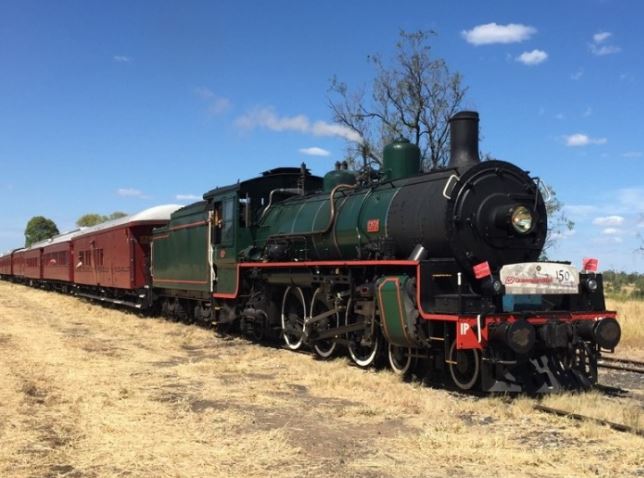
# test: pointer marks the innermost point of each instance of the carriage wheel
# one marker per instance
(293, 314)
(400, 359)
(323, 348)
(464, 366)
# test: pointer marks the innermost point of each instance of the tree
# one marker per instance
(38, 229)
(558, 223)
(92, 219)
(116, 215)
(413, 97)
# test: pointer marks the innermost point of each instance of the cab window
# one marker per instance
(228, 224)
(224, 222)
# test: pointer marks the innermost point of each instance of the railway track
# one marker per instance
(626, 365)
(577, 416)
(616, 393)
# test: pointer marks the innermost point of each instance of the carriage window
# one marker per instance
(98, 257)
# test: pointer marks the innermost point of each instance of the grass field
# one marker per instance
(87, 391)
(631, 318)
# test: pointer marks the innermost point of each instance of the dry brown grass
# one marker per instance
(627, 412)
(631, 318)
(89, 391)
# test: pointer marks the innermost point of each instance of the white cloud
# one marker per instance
(624, 202)
(608, 221)
(187, 197)
(216, 104)
(604, 50)
(601, 37)
(322, 128)
(579, 211)
(267, 118)
(122, 59)
(600, 47)
(632, 154)
(579, 139)
(577, 75)
(533, 57)
(607, 240)
(563, 234)
(632, 199)
(130, 192)
(204, 93)
(314, 151)
(611, 231)
(493, 33)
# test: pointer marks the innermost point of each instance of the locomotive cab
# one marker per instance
(236, 213)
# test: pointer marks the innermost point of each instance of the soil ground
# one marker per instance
(87, 391)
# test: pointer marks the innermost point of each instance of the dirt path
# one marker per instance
(87, 391)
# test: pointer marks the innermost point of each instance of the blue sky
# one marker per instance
(124, 105)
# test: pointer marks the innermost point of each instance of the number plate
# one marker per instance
(540, 278)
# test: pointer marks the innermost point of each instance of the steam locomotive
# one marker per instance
(436, 273)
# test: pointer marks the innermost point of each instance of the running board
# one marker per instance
(107, 299)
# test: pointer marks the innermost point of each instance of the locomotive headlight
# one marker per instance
(522, 220)
(590, 285)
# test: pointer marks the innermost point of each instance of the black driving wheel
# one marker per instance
(464, 367)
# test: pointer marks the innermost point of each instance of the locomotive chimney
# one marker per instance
(464, 139)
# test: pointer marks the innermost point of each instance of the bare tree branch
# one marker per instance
(414, 96)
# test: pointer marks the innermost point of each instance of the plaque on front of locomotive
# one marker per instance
(497, 215)
(532, 278)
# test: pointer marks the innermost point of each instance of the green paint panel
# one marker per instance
(180, 251)
(392, 304)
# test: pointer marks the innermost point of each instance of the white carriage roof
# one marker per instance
(65, 236)
(157, 213)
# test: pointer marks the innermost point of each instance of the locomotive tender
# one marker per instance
(437, 269)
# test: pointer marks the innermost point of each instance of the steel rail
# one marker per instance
(626, 365)
(623, 360)
(564, 413)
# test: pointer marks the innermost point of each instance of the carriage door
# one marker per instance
(224, 233)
